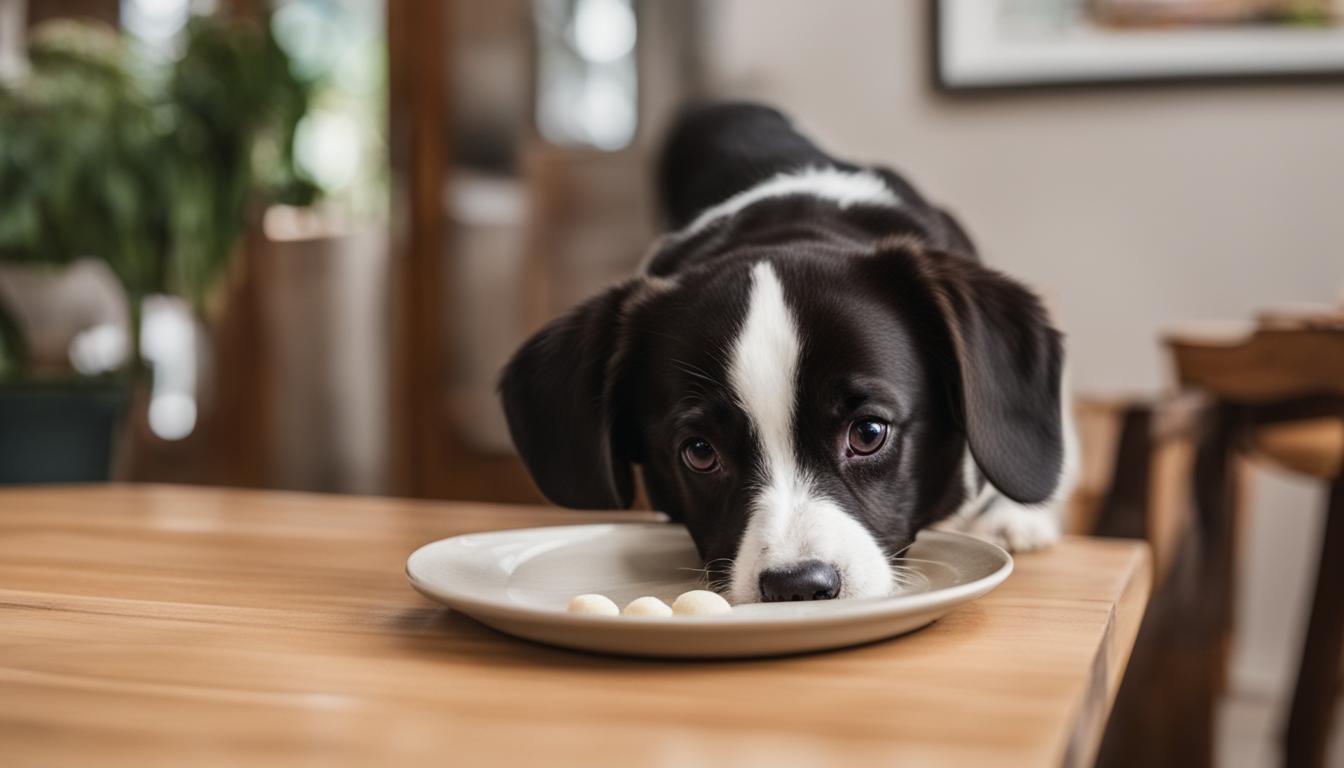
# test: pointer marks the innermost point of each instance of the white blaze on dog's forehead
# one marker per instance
(765, 368)
(788, 520)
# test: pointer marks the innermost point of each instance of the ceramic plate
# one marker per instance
(519, 582)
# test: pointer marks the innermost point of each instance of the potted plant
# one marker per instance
(154, 167)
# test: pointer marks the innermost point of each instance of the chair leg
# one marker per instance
(1124, 510)
(1318, 676)
(1208, 624)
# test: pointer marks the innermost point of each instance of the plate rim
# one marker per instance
(863, 608)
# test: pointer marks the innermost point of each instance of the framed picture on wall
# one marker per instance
(985, 44)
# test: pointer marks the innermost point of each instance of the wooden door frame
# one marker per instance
(429, 457)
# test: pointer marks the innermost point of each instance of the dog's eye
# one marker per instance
(867, 435)
(699, 455)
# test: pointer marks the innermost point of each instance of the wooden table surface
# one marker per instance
(151, 625)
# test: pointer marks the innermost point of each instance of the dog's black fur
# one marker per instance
(898, 321)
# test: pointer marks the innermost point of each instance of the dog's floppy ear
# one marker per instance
(1005, 365)
(560, 395)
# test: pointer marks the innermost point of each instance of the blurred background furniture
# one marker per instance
(1173, 470)
(1278, 396)
(522, 134)
(1137, 458)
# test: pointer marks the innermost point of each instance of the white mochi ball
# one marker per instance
(701, 602)
(596, 605)
(646, 606)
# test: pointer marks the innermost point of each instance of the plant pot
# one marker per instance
(59, 433)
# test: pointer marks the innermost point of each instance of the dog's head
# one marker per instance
(804, 417)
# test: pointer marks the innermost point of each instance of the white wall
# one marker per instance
(1131, 210)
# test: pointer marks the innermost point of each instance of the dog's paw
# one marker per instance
(1014, 527)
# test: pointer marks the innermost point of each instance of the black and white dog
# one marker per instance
(812, 367)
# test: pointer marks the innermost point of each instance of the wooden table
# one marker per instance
(148, 625)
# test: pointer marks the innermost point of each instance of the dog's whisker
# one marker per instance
(907, 576)
(723, 565)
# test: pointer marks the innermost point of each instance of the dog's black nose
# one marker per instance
(808, 580)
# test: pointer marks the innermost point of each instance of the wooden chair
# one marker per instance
(1277, 394)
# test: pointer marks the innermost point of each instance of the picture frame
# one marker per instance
(1017, 44)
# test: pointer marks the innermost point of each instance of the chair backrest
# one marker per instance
(1290, 372)
(1266, 365)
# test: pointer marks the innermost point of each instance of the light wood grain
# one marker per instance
(169, 626)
